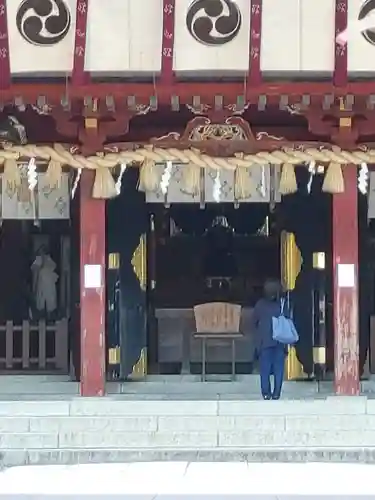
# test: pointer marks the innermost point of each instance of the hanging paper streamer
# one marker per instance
(119, 180)
(312, 171)
(32, 176)
(166, 177)
(76, 182)
(217, 188)
(263, 187)
(363, 178)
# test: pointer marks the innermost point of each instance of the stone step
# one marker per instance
(40, 388)
(10, 458)
(117, 405)
(160, 386)
(31, 379)
(116, 426)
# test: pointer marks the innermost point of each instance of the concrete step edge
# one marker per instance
(10, 458)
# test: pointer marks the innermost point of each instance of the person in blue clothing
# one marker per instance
(270, 353)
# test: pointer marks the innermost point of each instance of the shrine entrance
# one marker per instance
(35, 269)
(175, 256)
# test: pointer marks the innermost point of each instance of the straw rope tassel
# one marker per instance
(54, 174)
(151, 156)
(244, 186)
(191, 179)
(149, 177)
(104, 185)
(334, 179)
(288, 181)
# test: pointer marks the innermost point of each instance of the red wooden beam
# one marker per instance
(340, 75)
(185, 90)
(167, 75)
(79, 76)
(4, 47)
(255, 76)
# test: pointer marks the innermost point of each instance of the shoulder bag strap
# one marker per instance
(282, 304)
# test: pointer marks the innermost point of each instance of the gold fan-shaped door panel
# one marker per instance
(291, 260)
(139, 262)
(291, 263)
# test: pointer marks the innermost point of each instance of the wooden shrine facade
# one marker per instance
(57, 82)
(95, 149)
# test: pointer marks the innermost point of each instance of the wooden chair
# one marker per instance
(218, 321)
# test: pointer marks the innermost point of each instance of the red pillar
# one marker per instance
(92, 252)
(345, 251)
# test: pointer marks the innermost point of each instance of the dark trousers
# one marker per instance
(271, 362)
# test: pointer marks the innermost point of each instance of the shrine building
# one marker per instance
(160, 159)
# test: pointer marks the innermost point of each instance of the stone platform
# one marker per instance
(183, 420)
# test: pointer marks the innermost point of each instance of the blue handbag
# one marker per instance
(283, 328)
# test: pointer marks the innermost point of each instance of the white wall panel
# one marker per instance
(317, 35)
(41, 41)
(208, 52)
(298, 36)
(280, 50)
(124, 36)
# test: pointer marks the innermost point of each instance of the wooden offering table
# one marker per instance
(176, 343)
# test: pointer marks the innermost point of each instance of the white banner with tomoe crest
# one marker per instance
(210, 38)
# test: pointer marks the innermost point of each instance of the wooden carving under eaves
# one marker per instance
(225, 139)
(92, 128)
(345, 128)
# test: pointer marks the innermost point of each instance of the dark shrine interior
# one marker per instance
(239, 248)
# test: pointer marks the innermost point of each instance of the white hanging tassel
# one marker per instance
(166, 177)
(217, 188)
(312, 170)
(76, 182)
(119, 180)
(32, 176)
(363, 177)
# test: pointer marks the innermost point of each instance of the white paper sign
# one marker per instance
(92, 276)
(346, 275)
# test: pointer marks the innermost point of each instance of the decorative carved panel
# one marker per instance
(371, 197)
(226, 178)
(42, 203)
(176, 192)
(53, 203)
(261, 184)
(263, 180)
(17, 203)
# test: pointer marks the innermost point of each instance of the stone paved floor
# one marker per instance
(194, 480)
(246, 387)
